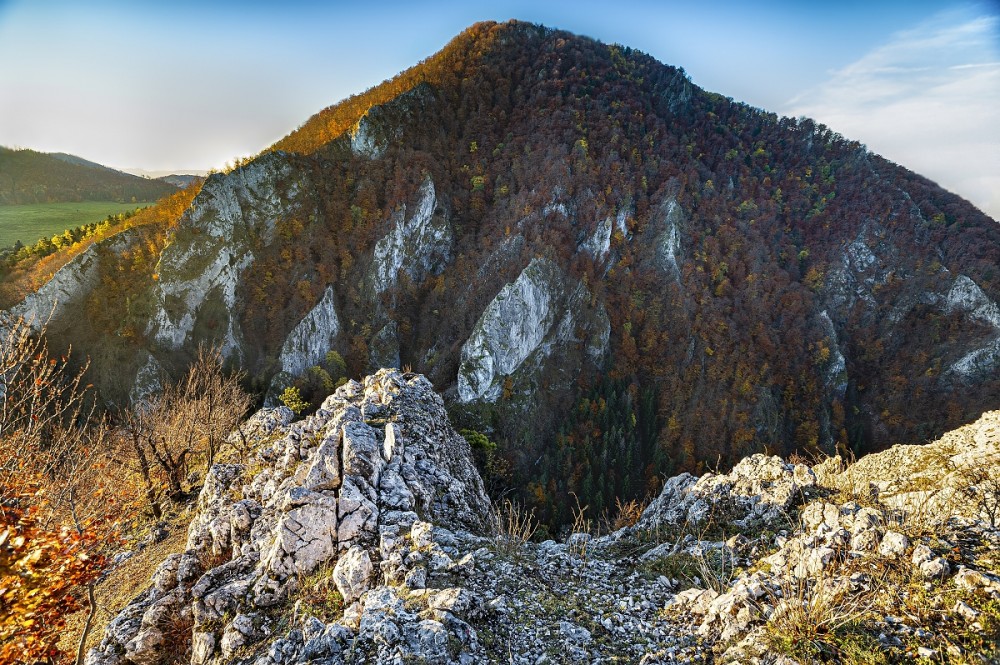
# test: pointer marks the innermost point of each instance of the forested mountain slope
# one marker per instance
(610, 271)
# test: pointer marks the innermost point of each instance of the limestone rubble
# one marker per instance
(376, 496)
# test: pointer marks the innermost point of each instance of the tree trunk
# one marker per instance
(91, 597)
(147, 480)
(174, 468)
(81, 649)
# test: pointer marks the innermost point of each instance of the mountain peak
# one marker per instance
(481, 55)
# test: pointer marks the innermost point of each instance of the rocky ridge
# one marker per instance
(354, 490)
(362, 534)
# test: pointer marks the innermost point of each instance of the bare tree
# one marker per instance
(219, 399)
(57, 461)
(190, 418)
(43, 406)
(136, 431)
(980, 485)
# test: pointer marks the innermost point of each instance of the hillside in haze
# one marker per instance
(180, 180)
(609, 271)
(27, 176)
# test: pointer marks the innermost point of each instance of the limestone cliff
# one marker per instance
(419, 245)
(310, 340)
(536, 313)
(200, 270)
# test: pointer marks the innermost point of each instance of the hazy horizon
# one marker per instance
(190, 86)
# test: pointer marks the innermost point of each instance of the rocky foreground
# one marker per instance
(362, 534)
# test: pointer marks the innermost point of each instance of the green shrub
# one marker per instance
(291, 398)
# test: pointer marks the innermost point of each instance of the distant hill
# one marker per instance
(180, 179)
(79, 161)
(27, 176)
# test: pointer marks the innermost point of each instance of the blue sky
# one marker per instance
(189, 85)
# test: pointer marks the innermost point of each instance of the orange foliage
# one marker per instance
(41, 566)
(448, 63)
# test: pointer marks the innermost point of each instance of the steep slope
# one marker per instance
(613, 273)
(362, 535)
(27, 176)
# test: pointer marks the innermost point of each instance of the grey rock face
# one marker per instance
(314, 335)
(759, 489)
(363, 139)
(383, 351)
(419, 245)
(521, 326)
(510, 329)
(966, 296)
(668, 242)
(213, 247)
(341, 491)
(69, 283)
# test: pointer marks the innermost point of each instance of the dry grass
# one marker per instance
(318, 595)
(627, 513)
(123, 584)
(819, 617)
(514, 527)
(824, 619)
(581, 525)
(177, 633)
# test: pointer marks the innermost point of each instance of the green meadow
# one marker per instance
(30, 222)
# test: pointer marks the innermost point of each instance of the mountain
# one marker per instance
(608, 271)
(27, 176)
(79, 161)
(179, 180)
(362, 534)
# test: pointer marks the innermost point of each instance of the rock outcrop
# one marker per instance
(420, 244)
(758, 490)
(538, 312)
(965, 296)
(363, 535)
(354, 496)
(310, 340)
(933, 480)
(668, 242)
(880, 540)
(68, 285)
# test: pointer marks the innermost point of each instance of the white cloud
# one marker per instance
(928, 99)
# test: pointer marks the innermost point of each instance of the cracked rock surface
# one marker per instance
(341, 490)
